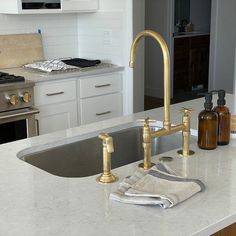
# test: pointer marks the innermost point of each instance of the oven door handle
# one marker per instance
(18, 113)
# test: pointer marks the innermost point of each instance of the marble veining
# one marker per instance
(34, 202)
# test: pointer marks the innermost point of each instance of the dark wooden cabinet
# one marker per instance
(181, 63)
(191, 62)
(228, 231)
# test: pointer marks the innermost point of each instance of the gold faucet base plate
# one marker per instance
(106, 179)
(141, 166)
(180, 152)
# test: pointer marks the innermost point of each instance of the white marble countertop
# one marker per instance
(34, 202)
(37, 76)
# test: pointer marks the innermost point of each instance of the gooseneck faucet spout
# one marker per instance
(166, 62)
(167, 129)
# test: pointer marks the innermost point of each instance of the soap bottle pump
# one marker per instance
(224, 119)
(208, 125)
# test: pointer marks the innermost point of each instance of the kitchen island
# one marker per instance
(34, 202)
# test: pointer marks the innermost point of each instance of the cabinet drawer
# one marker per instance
(55, 92)
(100, 85)
(100, 108)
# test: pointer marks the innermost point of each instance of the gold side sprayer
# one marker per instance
(167, 129)
(108, 148)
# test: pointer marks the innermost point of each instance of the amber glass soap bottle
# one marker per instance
(208, 125)
(224, 119)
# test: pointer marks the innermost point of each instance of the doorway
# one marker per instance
(185, 26)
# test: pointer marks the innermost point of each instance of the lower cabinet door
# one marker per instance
(100, 108)
(56, 117)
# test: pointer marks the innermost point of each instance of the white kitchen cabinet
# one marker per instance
(100, 108)
(100, 98)
(54, 92)
(67, 103)
(64, 6)
(79, 5)
(100, 85)
(57, 104)
(56, 117)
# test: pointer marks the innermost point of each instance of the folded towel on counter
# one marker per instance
(80, 62)
(62, 65)
(158, 186)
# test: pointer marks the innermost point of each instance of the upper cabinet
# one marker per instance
(79, 5)
(182, 10)
(47, 6)
(192, 15)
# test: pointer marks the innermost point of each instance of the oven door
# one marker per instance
(17, 124)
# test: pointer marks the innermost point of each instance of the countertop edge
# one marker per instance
(39, 77)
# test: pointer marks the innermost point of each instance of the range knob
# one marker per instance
(13, 99)
(26, 97)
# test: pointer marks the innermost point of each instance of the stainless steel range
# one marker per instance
(17, 111)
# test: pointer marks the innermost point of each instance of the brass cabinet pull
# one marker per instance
(102, 85)
(54, 94)
(103, 113)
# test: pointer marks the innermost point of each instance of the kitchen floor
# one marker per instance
(154, 102)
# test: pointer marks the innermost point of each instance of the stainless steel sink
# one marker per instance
(84, 158)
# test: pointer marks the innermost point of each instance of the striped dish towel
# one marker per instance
(158, 186)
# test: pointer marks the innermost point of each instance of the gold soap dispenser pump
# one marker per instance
(224, 119)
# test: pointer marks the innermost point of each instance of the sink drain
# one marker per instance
(166, 159)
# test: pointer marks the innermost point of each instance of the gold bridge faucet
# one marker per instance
(167, 129)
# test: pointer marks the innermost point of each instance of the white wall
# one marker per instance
(101, 36)
(59, 31)
(200, 11)
(107, 35)
(157, 19)
(222, 58)
(234, 90)
(139, 69)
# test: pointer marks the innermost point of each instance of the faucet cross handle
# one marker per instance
(186, 111)
(147, 121)
(186, 133)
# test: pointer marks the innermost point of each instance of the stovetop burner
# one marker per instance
(7, 78)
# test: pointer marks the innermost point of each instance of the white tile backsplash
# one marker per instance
(94, 40)
(59, 31)
(97, 35)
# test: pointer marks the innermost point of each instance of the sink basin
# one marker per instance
(84, 158)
